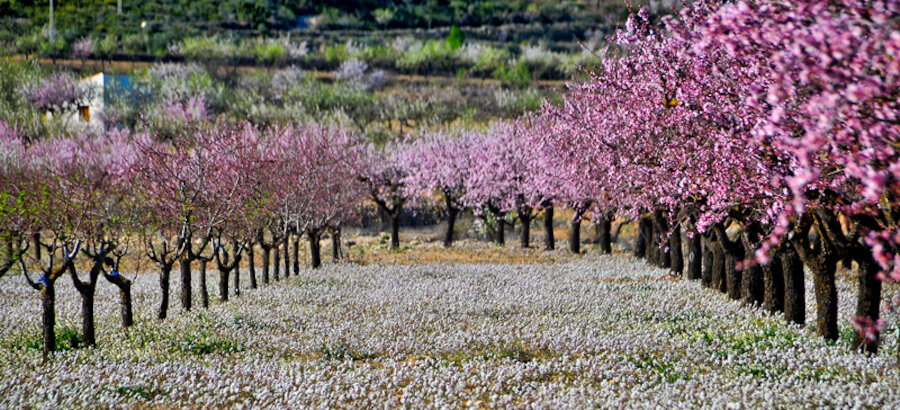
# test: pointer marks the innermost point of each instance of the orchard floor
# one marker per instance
(551, 331)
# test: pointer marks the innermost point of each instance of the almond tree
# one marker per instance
(189, 182)
(383, 172)
(90, 175)
(440, 163)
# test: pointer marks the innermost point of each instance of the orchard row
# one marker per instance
(766, 133)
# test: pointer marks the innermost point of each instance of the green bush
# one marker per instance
(433, 56)
(455, 39)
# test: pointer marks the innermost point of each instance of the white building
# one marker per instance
(90, 111)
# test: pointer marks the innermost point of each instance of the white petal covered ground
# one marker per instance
(605, 331)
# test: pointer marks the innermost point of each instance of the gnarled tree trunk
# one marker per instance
(575, 236)
(276, 262)
(868, 304)
(773, 284)
(252, 268)
(660, 230)
(395, 229)
(336, 244)
(223, 284)
(676, 256)
(604, 234)
(315, 254)
(794, 286)
(706, 271)
(125, 301)
(204, 290)
(452, 212)
(525, 234)
(549, 240)
(642, 239)
(185, 264)
(287, 259)
(695, 257)
(164, 274)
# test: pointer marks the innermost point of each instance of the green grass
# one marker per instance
(203, 343)
(67, 338)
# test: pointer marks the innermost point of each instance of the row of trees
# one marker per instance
(766, 132)
(211, 192)
(775, 119)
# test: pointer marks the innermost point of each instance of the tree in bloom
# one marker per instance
(89, 176)
(440, 163)
(314, 179)
(666, 129)
(53, 218)
(383, 172)
(57, 93)
(829, 106)
(506, 176)
(191, 183)
(82, 49)
(14, 208)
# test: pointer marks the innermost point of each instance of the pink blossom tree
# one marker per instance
(828, 107)
(191, 183)
(383, 172)
(440, 163)
(88, 177)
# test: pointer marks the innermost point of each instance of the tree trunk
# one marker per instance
(501, 229)
(575, 237)
(223, 284)
(395, 229)
(185, 263)
(706, 265)
(773, 284)
(297, 254)
(204, 292)
(604, 234)
(652, 244)
(164, 287)
(752, 277)
(821, 259)
(676, 256)
(752, 284)
(717, 278)
(252, 262)
(661, 229)
(525, 234)
(336, 244)
(794, 287)
(237, 280)
(549, 240)
(733, 277)
(451, 222)
(315, 255)
(87, 317)
(641, 238)
(868, 305)
(276, 262)
(265, 265)
(826, 299)
(695, 256)
(48, 317)
(287, 259)
(125, 305)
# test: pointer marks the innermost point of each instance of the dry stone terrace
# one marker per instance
(598, 331)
